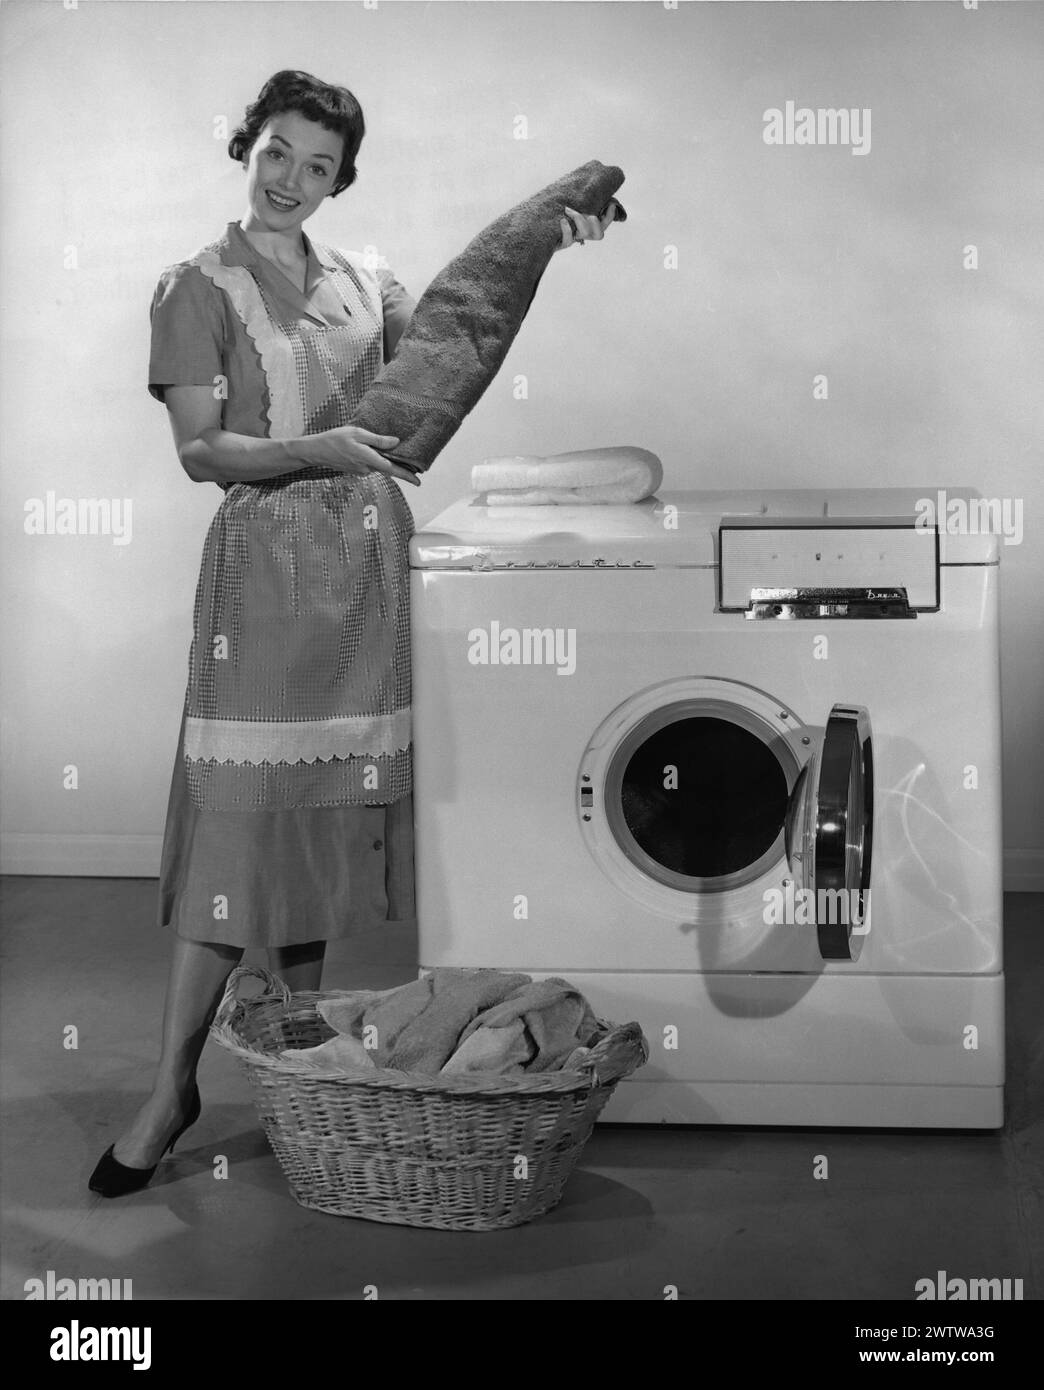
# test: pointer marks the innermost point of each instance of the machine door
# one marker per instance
(829, 832)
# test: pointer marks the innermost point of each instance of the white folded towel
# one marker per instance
(339, 1053)
(615, 474)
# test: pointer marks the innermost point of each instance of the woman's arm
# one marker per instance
(210, 454)
(398, 305)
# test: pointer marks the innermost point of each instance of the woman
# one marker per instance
(290, 817)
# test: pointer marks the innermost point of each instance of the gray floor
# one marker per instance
(718, 1213)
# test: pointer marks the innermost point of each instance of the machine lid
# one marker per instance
(676, 530)
(829, 833)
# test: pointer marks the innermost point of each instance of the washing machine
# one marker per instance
(730, 762)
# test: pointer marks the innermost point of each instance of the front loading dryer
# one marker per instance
(731, 764)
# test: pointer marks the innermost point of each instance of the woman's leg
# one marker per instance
(198, 972)
(299, 967)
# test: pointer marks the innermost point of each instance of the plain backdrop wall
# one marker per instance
(792, 261)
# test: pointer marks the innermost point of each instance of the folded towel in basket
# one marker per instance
(466, 320)
(615, 474)
(424, 1039)
(339, 1053)
(493, 1050)
(536, 1028)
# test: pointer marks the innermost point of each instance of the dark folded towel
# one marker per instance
(467, 318)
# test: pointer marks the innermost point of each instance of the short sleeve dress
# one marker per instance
(290, 815)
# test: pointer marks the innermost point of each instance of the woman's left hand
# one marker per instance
(581, 226)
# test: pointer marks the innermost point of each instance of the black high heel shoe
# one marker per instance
(114, 1179)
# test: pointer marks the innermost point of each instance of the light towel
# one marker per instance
(339, 1053)
(613, 475)
(535, 1028)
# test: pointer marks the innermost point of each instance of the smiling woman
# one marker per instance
(334, 109)
(287, 179)
(289, 821)
(298, 144)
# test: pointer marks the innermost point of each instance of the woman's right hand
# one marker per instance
(353, 450)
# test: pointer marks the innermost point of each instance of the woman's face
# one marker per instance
(290, 169)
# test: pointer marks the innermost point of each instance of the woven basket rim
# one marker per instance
(621, 1047)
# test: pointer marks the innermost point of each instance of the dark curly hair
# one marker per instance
(334, 108)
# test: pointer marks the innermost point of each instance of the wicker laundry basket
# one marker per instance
(462, 1153)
